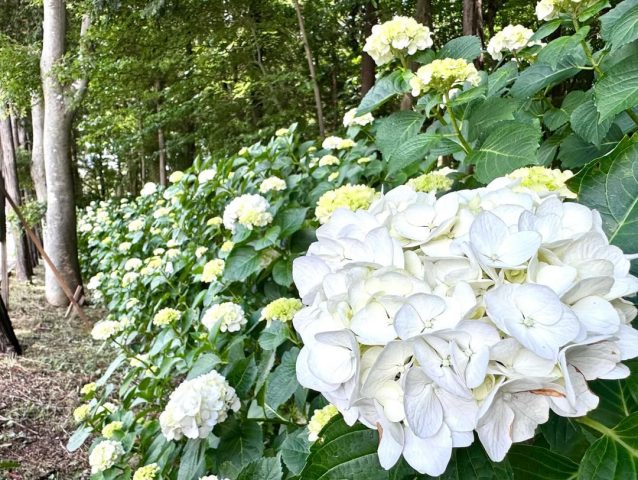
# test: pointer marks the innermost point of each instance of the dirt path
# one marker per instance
(39, 390)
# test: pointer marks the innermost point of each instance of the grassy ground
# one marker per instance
(39, 390)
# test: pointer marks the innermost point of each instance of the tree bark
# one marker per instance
(424, 13)
(161, 142)
(368, 67)
(23, 262)
(60, 237)
(311, 67)
(37, 152)
(473, 18)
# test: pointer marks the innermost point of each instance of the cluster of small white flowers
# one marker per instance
(105, 329)
(351, 118)
(249, 210)
(444, 75)
(398, 37)
(481, 310)
(512, 38)
(230, 315)
(272, 183)
(206, 175)
(337, 143)
(148, 189)
(197, 405)
(551, 9)
(105, 455)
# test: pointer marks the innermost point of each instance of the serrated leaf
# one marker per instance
(411, 151)
(263, 469)
(565, 437)
(282, 272)
(511, 145)
(240, 442)
(242, 376)
(542, 75)
(295, 450)
(241, 264)
(273, 335)
(384, 89)
(615, 454)
(610, 185)
(557, 50)
(472, 462)
(585, 122)
(619, 26)
(575, 152)
(395, 129)
(501, 78)
(344, 452)
(490, 112)
(617, 90)
(536, 463)
(467, 48)
(546, 29)
(282, 383)
(203, 365)
(290, 221)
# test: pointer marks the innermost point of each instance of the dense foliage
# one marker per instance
(190, 273)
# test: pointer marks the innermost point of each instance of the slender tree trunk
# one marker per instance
(311, 67)
(161, 142)
(60, 238)
(473, 18)
(424, 13)
(13, 123)
(368, 67)
(37, 152)
(23, 263)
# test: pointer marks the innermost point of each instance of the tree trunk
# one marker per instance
(8, 340)
(311, 67)
(37, 152)
(424, 13)
(368, 67)
(13, 124)
(473, 18)
(23, 262)
(161, 143)
(60, 238)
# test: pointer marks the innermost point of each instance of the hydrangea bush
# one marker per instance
(443, 291)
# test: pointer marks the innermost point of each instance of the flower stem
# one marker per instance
(455, 125)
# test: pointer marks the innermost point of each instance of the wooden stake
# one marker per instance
(56, 272)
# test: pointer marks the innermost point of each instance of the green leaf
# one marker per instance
(616, 401)
(203, 365)
(565, 437)
(610, 185)
(295, 450)
(501, 78)
(472, 462)
(282, 272)
(78, 438)
(241, 264)
(546, 29)
(240, 442)
(282, 383)
(511, 145)
(557, 50)
(396, 129)
(617, 90)
(193, 460)
(541, 75)
(290, 220)
(575, 152)
(615, 454)
(490, 112)
(586, 123)
(593, 10)
(468, 48)
(243, 375)
(344, 452)
(411, 152)
(619, 26)
(263, 469)
(273, 336)
(537, 463)
(385, 88)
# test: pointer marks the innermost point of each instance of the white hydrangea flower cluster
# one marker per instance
(550, 9)
(249, 210)
(230, 315)
(272, 183)
(148, 189)
(351, 118)
(444, 75)
(197, 405)
(105, 455)
(481, 310)
(337, 143)
(512, 38)
(398, 37)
